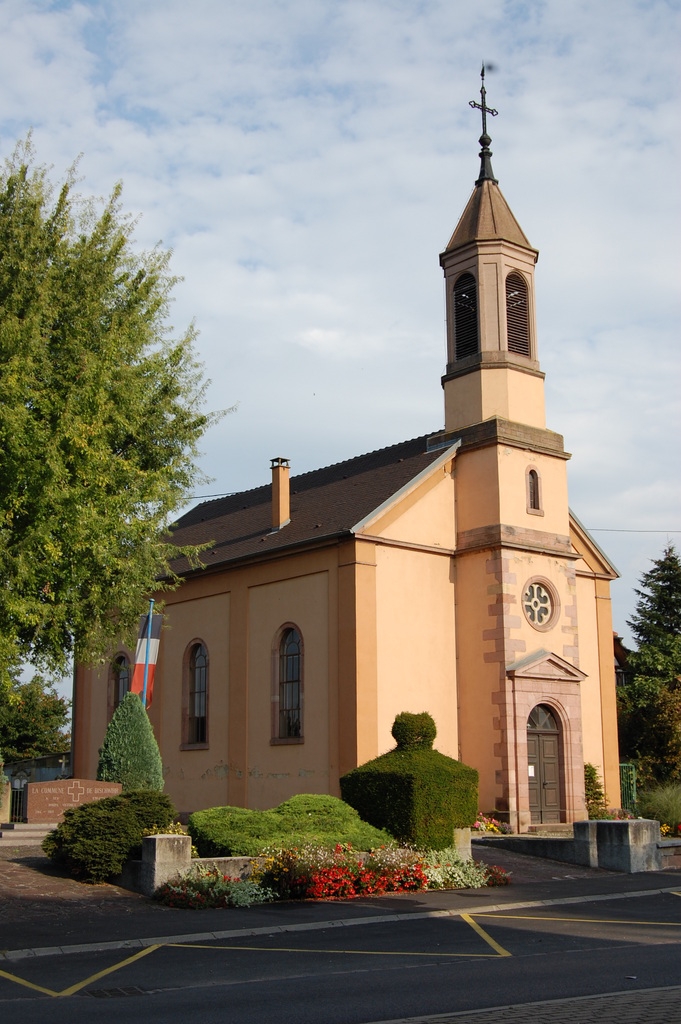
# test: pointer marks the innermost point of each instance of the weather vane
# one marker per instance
(486, 172)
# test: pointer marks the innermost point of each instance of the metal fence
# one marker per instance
(628, 787)
(17, 807)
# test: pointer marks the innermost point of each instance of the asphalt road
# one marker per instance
(377, 971)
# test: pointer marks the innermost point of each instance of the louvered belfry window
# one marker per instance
(517, 318)
(466, 316)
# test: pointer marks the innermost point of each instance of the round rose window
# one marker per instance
(538, 604)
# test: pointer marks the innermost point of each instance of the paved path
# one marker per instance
(46, 914)
(655, 1006)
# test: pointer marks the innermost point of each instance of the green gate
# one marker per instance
(628, 787)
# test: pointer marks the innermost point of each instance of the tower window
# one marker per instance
(517, 317)
(466, 316)
(533, 491)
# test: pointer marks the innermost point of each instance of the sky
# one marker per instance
(307, 160)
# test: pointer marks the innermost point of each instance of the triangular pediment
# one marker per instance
(545, 665)
(593, 557)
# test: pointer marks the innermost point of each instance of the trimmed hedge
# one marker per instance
(307, 818)
(95, 839)
(414, 792)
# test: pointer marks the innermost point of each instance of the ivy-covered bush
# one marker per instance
(95, 839)
(129, 753)
(414, 792)
(307, 818)
(594, 793)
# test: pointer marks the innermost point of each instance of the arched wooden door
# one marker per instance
(543, 762)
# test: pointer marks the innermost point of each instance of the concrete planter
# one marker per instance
(630, 846)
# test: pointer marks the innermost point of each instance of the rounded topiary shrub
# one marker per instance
(130, 753)
(95, 839)
(411, 730)
(414, 792)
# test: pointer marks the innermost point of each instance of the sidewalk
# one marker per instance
(654, 1006)
(41, 908)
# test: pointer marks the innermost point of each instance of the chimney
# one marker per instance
(281, 500)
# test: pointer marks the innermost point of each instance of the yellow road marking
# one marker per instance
(109, 970)
(350, 952)
(483, 934)
(468, 918)
(577, 920)
(28, 984)
(80, 984)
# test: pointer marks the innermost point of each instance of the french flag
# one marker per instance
(146, 657)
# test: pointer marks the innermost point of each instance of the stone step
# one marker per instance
(553, 829)
(21, 833)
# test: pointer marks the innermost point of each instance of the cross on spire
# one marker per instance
(486, 172)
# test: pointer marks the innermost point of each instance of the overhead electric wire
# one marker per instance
(591, 529)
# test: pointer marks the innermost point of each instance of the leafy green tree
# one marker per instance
(649, 704)
(33, 720)
(100, 416)
(130, 753)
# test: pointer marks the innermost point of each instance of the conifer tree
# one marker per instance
(658, 609)
(649, 703)
(130, 753)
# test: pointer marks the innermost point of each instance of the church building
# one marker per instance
(443, 574)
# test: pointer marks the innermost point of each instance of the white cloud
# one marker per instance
(307, 159)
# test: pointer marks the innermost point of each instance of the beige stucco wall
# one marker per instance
(499, 391)
(477, 677)
(195, 778)
(277, 772)
(416, 644)
(426, 515)
(512, 467)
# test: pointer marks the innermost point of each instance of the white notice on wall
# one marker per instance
(530, 770)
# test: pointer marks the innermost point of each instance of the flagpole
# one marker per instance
(146, 654)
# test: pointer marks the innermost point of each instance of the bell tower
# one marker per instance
(515, 583)
(492, 363)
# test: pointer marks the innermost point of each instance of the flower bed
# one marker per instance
(489, 824)
(317, 873)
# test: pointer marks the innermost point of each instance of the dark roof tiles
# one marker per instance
(325, 503)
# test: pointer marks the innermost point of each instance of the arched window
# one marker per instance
(196, 717)
(121, 676)
(517, 317)
(288, 696)
(466, 316)
(542, 719)
(533, 491)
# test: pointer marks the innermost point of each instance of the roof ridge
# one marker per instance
(363, 455)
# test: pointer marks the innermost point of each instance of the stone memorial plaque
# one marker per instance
(47, 801)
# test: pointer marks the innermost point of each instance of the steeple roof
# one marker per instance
(487, 216)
